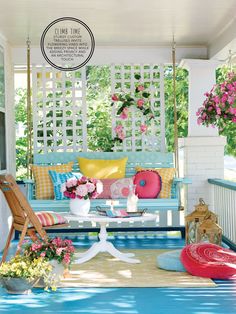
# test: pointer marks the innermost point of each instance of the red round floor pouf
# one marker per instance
(209, 260)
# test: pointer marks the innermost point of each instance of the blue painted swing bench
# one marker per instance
(161, 206)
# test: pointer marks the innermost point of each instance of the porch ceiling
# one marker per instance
(131, 23)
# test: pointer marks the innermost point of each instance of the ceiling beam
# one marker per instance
(225, 41)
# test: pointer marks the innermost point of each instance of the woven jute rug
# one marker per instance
(106, 271)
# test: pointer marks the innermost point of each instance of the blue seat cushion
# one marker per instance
(170, 261)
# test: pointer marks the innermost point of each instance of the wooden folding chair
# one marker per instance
(24, 219)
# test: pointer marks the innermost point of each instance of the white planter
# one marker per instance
(79, 207)
(58, 270)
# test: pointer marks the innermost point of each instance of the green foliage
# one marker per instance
(99, 109)
(181, 103)
(21, 142)
(229, 130)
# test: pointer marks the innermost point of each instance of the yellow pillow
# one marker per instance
(103, 169)
(43, 184)
(167, 176)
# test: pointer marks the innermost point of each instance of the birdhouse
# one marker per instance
(209, 231)
(193, 220)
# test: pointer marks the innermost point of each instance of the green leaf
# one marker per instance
(146, 94)
(137, 76)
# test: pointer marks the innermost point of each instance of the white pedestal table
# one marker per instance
(103, 245)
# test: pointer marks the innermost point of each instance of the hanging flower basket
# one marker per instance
(219, 107)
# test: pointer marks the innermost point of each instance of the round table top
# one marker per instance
(98, 218)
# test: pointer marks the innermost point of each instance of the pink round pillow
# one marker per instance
(209, 260)
(148, 184)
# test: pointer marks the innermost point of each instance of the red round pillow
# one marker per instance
(148, 184)
(209, 260)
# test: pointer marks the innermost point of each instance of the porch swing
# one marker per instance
(142, 159)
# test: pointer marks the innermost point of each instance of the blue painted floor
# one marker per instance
(221, 299)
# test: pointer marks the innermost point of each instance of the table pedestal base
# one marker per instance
(105, 246)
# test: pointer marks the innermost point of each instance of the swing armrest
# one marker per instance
(182, 181)
(30, 188)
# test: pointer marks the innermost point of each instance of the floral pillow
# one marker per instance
(106, 194)
(120, 188)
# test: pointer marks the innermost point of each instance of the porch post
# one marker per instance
(203, 149)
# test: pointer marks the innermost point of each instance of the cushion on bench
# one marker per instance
(167, 176)
(148, 184)
(103, 169)
(43, 183)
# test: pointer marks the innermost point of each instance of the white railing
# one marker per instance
(224, 205)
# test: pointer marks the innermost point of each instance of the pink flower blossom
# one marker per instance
(119, 128)
(140, 103)
(124, 113)
(66, 259)
(199, 121)
(59, 251)
(43, 254)
(90, 187)
(71, 182)
(121, 135)
(143, 128)
(36, 246)
(140, 88)
(94, 194)
(232, 110)
(115, 97)
(81, 190)
(234, 119)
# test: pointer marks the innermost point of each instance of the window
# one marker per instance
(2, 114)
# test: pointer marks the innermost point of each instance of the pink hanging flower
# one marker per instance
(119, 128)
(143, 128)
(140, 103)
(114, 97)
(124, 113)
(219, 106)
(121, 136)
(140, 88)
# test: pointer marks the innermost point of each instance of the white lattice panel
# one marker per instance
(59, 110)
(123, 80)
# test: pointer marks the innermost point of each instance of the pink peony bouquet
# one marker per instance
(219, 106)
(82, 188)
(52, 249)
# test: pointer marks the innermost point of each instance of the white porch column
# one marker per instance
(203, 149)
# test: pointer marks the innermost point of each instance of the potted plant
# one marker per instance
(80, 191)
(20, 274)
(219, 107)
(57, 251)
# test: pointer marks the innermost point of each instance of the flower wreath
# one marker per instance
(140, 99)
(219, 106)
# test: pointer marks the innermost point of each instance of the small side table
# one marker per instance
(103, 245)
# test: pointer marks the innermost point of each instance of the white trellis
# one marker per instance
(59, 110)
(123, 79)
